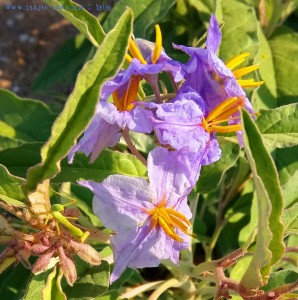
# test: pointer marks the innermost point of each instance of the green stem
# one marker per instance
(209, 248)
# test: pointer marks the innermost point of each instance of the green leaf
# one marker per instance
(237, 36)
(279, 127)
(143, 142)
(17, 160)
(286, 163)
(265, 96)
(110, 295)
(81, 104)
(36, 286)
(146, 14)
(10, 188)
(290, 190)
(6, 142)
(269, 246)
(211, 175)
(280, 278)
(63, 67)
(13, 282)
(24, 119)
(91, 283)
(52, 291)
(287, 166)
(108, 163)
(81, 19)
(290, 220)
(284, 47)
(205, 8)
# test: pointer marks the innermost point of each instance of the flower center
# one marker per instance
(223, 113)
(125, 103)
(236, 61)
(169, 220)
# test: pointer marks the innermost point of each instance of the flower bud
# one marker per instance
(42, 262)
(86, 252)
(68, 267)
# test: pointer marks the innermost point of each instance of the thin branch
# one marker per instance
(292, 249)
(132, 147)
(174, 84)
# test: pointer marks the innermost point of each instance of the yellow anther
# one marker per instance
(135, 52)
(223, 113)
(169, 219)
(128, 58)
(246, 83)
(125, 103)
(221, 108)
(243, 71)
(158, 45)
(237, 60)
(225, 129)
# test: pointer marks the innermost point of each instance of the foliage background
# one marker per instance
(225, 196)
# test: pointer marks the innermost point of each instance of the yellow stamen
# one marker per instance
(221, 108)
(237, 60)
(243, 71)
(249, 83)
(135, 52)
(223, 113)
(158, 44)
(128, 58)
(169, 219)
(225, 129)
(129, 96)
(168, 230)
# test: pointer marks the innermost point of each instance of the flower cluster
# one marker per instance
(152, 219)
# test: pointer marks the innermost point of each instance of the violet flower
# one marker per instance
(214, 80)
(110, 119)
(151, 220)
(180, 124)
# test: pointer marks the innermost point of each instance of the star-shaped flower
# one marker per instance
(214, 80)
(151, 220)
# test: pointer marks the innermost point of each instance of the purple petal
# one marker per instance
(172, 174)
(120, 201)
(99, 135)
(212, 153)
(145, 249)
(177, 124)
(214, 35)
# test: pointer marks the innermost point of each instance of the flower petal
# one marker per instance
(172, 174)
(145, 249)
(214, 35)
(99, 135)
(120, 201)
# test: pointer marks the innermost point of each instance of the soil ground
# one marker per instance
(29, 38)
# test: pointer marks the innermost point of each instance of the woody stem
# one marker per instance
(132, 147)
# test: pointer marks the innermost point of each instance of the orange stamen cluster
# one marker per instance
(125, 103)
(169, 219)
(223, 113)
(236, 61)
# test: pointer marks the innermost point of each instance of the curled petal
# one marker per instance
(120, 201)
(214, 35)
(86, 252)
(67, 266)
(37, 249)
(42, 262)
